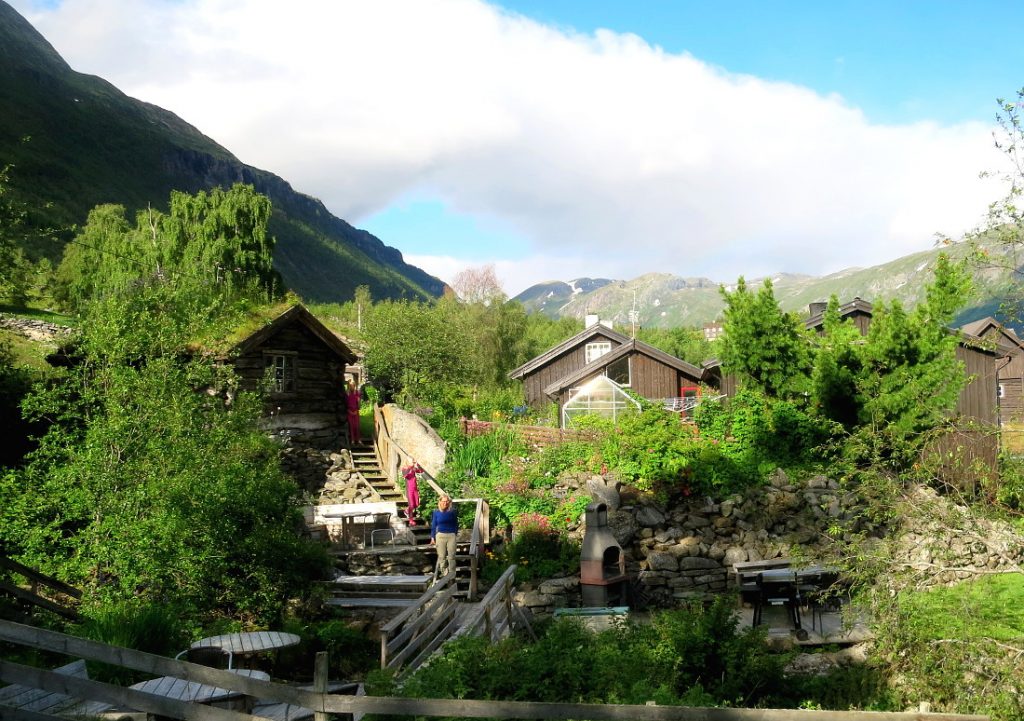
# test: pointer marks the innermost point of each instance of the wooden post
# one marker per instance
(320, 673)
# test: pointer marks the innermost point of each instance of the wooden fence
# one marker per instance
(37, 583)
(538, 436)
(324, 703)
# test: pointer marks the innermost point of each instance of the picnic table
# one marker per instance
(179, 689)
(247, 643)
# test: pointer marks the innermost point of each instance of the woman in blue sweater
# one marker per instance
(444, 526)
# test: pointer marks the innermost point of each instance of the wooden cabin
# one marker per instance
(1009, 366)
(301, 365)
(556, 374)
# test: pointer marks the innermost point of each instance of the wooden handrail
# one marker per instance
(493, 615)
(411, 636)
(337, 704)
(392, 457)
(33, 575)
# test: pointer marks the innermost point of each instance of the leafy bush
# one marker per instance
(537, 550)
(692, 656)
(144, 626)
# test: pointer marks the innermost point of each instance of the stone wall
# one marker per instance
(685, 552)
(37, 330)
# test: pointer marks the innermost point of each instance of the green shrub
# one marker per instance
(144, 626)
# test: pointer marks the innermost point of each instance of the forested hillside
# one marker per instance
(75, 141)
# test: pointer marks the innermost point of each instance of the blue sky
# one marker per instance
(606, 139)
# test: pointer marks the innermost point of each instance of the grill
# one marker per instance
(603, 579)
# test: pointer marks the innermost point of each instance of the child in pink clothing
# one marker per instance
(412, 491)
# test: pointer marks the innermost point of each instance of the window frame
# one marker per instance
(280, 379)
(590, 353)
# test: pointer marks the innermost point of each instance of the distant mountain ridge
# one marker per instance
(663, 300)
(76, 141)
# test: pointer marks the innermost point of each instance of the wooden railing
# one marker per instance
(411, 636)
(324, 703)
(37, 580)
(493, 616)
(392, 457)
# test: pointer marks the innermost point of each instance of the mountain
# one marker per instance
(667, 301)
(75, 141)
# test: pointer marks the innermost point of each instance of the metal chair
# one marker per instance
(212, 656)
(381, 524)
(776, 591)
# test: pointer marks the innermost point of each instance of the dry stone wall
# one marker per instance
(686, 551)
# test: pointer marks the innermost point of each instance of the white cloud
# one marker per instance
(613, 157)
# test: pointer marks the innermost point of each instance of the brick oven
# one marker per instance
(603, 579)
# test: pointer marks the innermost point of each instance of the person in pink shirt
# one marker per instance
(412, 491)
(352, 405)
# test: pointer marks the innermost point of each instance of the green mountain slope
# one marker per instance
(667, 301)
(76, 141)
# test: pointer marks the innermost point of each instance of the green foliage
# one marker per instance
(150, 626)
(211, 238)
(690, 656)
(1010, 489)
(350, 652)
(762, 345)
(538, 551)
(910, 377)
(959, 647)
(148, 483)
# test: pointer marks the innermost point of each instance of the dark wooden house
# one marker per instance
(1009, 366)
(599, 350)
(301, 365)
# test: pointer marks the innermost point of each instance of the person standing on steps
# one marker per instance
(352, 405)
(444, 527)
(412, 490)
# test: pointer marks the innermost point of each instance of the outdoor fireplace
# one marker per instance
(603, 579)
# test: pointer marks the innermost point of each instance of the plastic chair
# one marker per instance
(381, 524)
(212, 656)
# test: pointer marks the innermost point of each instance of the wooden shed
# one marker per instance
(599, 350)
(300, 364)
(1009, 366)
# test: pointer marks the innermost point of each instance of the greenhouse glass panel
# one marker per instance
(600, 396)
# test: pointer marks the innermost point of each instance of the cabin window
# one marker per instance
(618, 371)
(596, 350)
(279, 372)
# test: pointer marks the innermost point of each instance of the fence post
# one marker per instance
(320, 672)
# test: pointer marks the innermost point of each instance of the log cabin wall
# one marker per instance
(313, 412)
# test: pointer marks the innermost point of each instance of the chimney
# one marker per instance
(590, 319)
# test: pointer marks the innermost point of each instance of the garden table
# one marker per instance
(247, 643)
(179, 689)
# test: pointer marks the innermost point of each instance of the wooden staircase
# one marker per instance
(377, 591)
(364, 461)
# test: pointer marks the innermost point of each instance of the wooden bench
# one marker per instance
(29, 699)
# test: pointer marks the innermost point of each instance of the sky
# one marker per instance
(559, 139)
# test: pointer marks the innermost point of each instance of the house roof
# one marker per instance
(296, 314)
(1007, 339)
(854, 306)
(567, 345)
(630, 347)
